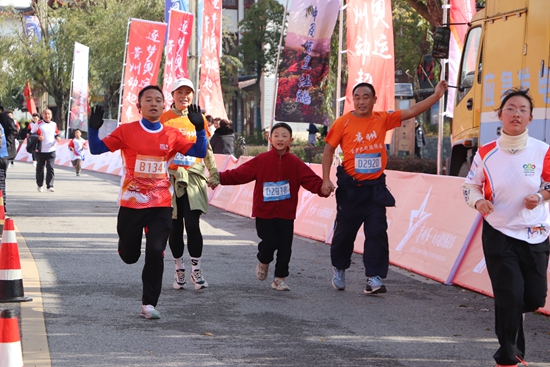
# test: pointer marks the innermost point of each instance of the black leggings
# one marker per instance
(191, 220)
(157, 224)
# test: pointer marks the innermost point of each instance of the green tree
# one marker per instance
(47, 63)
(261, 31)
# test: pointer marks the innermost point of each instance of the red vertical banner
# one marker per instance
(370, 51)
(210, 94)
(143, 55)
(31, 106)
(460, 14)
(180, 28)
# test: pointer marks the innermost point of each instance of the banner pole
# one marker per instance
(280, 47)
(70, 97)
(123, 68)
(441, 101)
(339, 73)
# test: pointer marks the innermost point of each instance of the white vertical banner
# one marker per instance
(78, 107)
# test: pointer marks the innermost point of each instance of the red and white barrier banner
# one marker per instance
(143, 55)
(370, 51)
(180, 28)
(78, 116)
(305, 61)
(210, 93)
(460, 14)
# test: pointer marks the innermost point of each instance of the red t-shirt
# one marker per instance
(145, 155)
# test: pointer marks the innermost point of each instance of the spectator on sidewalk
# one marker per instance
(419, 139)
(223, 140)
(145, 199)
(312, 137)
(7, 149)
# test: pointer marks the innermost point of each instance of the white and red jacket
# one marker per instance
(49, 131)
(506, 179)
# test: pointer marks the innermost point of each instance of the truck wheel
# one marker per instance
(464, 169)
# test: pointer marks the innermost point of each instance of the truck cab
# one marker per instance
(507, 46)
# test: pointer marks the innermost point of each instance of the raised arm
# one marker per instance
(424, 105)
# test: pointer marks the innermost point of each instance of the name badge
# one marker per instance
(184, 160)
(368, 163)
(276, 191)
(150, 167)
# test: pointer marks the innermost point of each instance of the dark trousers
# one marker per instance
(353, 211)
(190, 219)
(4, 163)
(518, 276)
(276, 235)
(48, 160)
(157, 223)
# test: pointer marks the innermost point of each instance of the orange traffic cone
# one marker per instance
(2, 212)
(11, 282)
(10, 340)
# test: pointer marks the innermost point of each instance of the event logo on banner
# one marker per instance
(78, 106)
(143, 55)
(370, 51)
(210, 94)
(460, 14)
(305, 61)
(179, 36)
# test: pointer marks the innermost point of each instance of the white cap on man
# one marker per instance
(182, 82)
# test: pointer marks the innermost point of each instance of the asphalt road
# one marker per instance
(91, 299)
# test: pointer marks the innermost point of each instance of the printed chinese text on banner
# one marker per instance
(305, 61)
(179, 37)
(78, 115)
(460, 14)
(143, 55)
(210, 94)
(370, 51)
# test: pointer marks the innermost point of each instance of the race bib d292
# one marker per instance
(368, 163)
(276, 191)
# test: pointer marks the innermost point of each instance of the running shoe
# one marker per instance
(198, 280)
(40, 189)
(51, 189)
(261, 271)
(279, 284)
(149, 312)
(339, 278)
(179, 279)
(375, 286)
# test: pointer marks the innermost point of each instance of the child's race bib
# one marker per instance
(276, 191)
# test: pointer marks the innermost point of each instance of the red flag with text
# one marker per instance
(143, 55)
(460, 14)
(210, 93)
(31, 106)
(370, 51)
(180, 27)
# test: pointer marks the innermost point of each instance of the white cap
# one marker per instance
(183, 82)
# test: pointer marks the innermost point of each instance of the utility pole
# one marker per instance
(194, 49)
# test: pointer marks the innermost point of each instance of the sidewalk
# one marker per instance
(91, 299)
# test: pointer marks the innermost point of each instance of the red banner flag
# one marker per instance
(461, 13)
(305, 61)
(175, 51)
(143, 55)
(210, 94)
(370, 51)
(31, 107)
